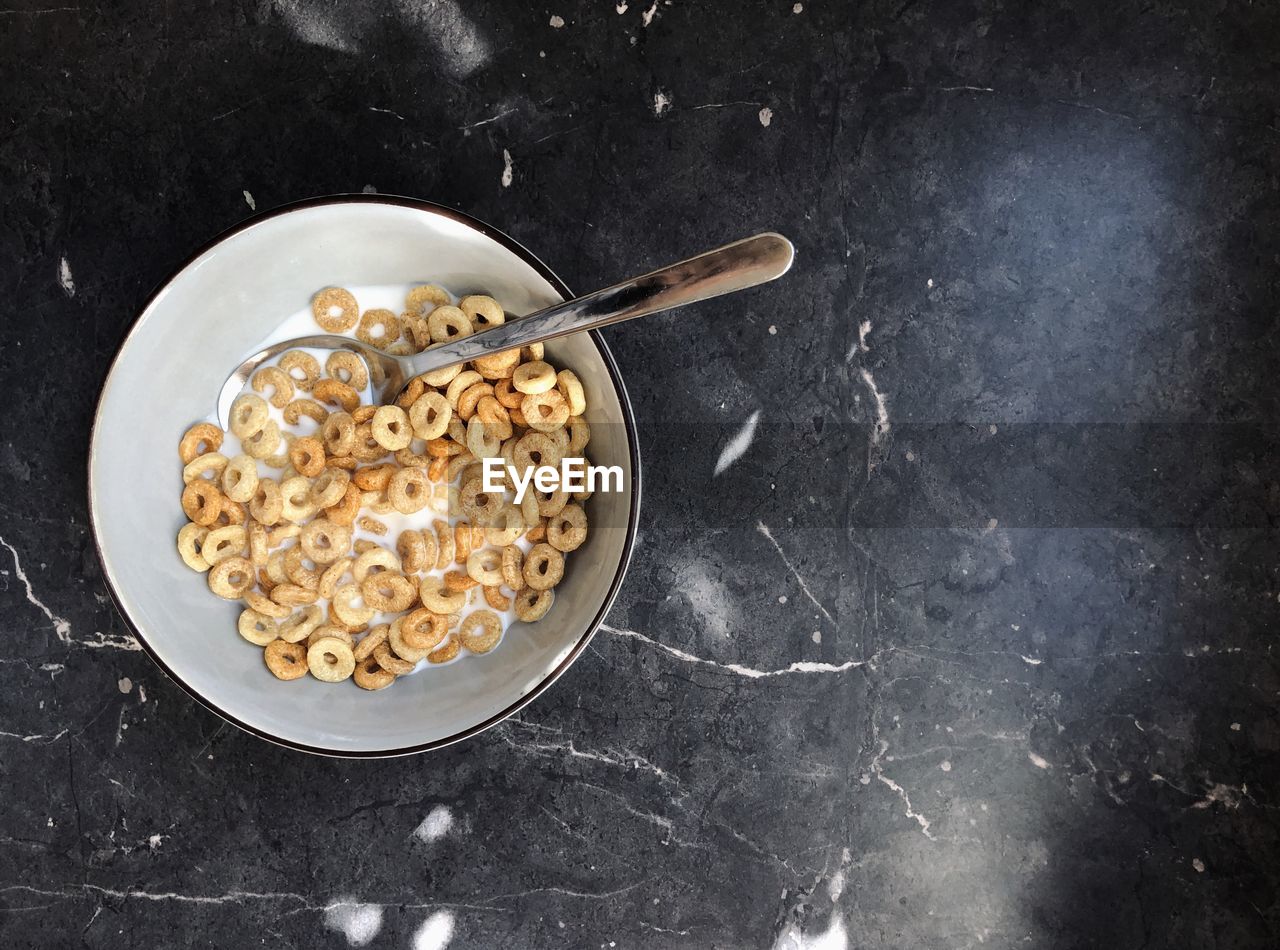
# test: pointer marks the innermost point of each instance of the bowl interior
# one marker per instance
(167, 375)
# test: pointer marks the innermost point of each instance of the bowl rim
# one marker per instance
(633, 446)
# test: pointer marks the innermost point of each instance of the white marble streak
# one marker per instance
(801, 666)
(764, 530)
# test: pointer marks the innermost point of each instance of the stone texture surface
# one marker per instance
(972, 646)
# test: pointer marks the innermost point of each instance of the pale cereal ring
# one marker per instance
(201, 439)
(230, 579)
(412, 548)
(409, 490)
(222, 543)
(497, 365)
(294, 412)
(335, 309)
(505, 527)
(330, 660)
(567, 530)
(400, 348)
(444, 543)
(240, 478)
(437, 601)
(375, 559)
(344, 462)
(325, 542)
(256, 532)
(423, 630)
(390, 662)
(249, 413)
(295, 494)
(495, 416)
(275, 568)
(267, 504)
(370, 642)
(281, 458)
(551, 503)
(458, 582)
(212, 464)
(480, 631)
(506, 394)
(282, 533)
(571, 388)
(478, 505)
(470, 398)
(334, 392)
(345, 511)
(543, 567)
(257, 628)
(265, 605)
(331, 629)
(545, 411)
(459, 384)
(459, 465)
(372, 525)
(495, 598)
(343, 607)
(448, 323)
(391, 429)
(426, 297)
(388, 592)
(299, 626)
(532, 605)
(395, 637)
(302, 368)
(293, 595)
(485, 567)
(482, 441)
(279, 382)
(448, 651)
(483, 311)
(296, 570)
(369, 675)
(286, 661)
(202, 502)
(561, 438)
(513, 567)
(429, 415)
(533, 352)
(342, 362)
(535, 450)
(339, 433)
(190, 538)
(407, 458)
(367, 448)
(307, 456)
(264, 442)
(378, 318)
(331, 575)
(330, 488)
(579, 436)
(529, 507)
(533, 378)
(442, 377)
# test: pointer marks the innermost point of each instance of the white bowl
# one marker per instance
(193, 331)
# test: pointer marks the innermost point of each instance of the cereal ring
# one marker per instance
(470, 397)
(459, 384)
(429, 415)
(345, 511)
(409, 490)
(505, 527)
(212, 463)
(286, 661)
(295, 495)
(257, 628)
(545, 411)
(307, 456)
(532, 605)
(230, 579)
(506, 394)
(533, 352)
(267, 503)
(275, 568)
(448, 323)
(325, 542)
(478, 505)
(362, 545)
(407, 458)
(388, 592)
(201, 439)
(435, 472)
(426, 297)
(302, 368)
(567, 530)
(517, 419)
(344, 361)
(444, 448)
(190, 538)
(334, 392)
(370, 642)
(437, 601)
(378, 318)
(561, 438)
(375, 559)
(513, 567)
(390, 662)
(344, 462)
(249, 413)
(543, 567)
(265, 605)
(391, 429)
(571, 388)
(342, 606)
(579, 436)
(297, 571)
(264, 442)
(366, 447)
(222, 543)
(232, 512)
(330, 488)
(258, 543)
(369, 675)
(480, 631)
(444, 544)
(299, 626)
(373, 477)
(536, 450)
(461, 542)
(412, 548)
(445, 653)
(372, 525)
(482, 441)
(494, 415)
(395, 636)
(335, 309)
(330, 660)
(485, 567)
(279, 382)
(497, 365)
(537, 533)
(293, 595)
(495, 598)
(483, 311)
(331, 575)
(412, 390)
(240, 478)
(529, 507)
(442, 377)
(339, 433)
(456, 582)
(533, 378)
(414, 329)
(423, 630)
(550, 503)
(202, 502)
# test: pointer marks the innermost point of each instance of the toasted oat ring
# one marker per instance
(513, 567)
(444, 543)
(579, 436)
(295, 495)
(307, 456)
(201, 439)
(293, 595)
(532, 605)
(414, 330)
(202, 502)
(543, 567)
(331, 299)
(240, 478)
(286, 661)
(444, 448)
(391, 429)
(407, 458)
(302, 368)
(265, 605)
(461, 542)
(460, 384)
(334, 392)
(567, 530)
(344, 361)
(258, 629)
(262, 443)
(455, 581)
(344, 609)
(480, 631)
(190, 538)
(470, 397)
(232, 513)
(390, 662)
(497, 365)
(409, 490)
(424, 630)
(412, 548)
(362, 413)
(249, 413)
(506, 394)
(409, 395)
(325, 542)
(212, 464)
(278, 381)
(344, 462)
(299, 626)
(375, 559)
(378, 317)
(372, 525)
(536, 449)
(330, 660)
(256, 532)
(403, 347)
(537, 533)
(388, 592)
(445, 652)
(505, 527)
(533, 378)
(448, 323)
(373, 477)
(533, 352)
(482, 310)
(346, 510)
(339, 631)
(442, 377)
(370, 642)
(494, 415)
(495, 598)
(329, 488)
(339, 433)
(571, 388)
(426, 297)
(485, 567)
(551, 503)
(294, 412)
(369, 675)
(482, 441)
(331, 575)
(545, 411)
(366, 447)
(298, 572)
(437, 601)
(222, 543)
(230, 579)
(395, 636)
(518, 420)
(267, 504)
(429, 415)
(478, 505)
(435, 472)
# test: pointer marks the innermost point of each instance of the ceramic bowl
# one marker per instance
(192, 332)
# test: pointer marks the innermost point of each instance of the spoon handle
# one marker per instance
(736, 266)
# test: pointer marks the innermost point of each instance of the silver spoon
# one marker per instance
(736, 266)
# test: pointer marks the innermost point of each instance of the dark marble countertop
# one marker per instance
(971, 646)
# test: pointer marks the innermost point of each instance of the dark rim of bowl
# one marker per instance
(632, 445)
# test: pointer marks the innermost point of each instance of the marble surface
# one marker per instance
(970, 646)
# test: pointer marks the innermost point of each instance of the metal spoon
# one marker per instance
(736, 266)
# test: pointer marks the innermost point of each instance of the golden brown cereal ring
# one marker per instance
(461, 542)
(335, 309)
(407, 458)
(443, 448)
(222, 543)
(331, 575)
(506, 394)
(378, 317)
(343, 607)
(571, 388)
(517, 419)
(532, 605)
(325, 542)
(264, 442)
(344, 462)
(543, 567)
(297, 570)
(302, 368)
(429, 415)
(265, 605)
(286, 661)
(294, 412)
(202, 502)
(579, 436)
(412, 548)
(505, 527)
(299, 626)
(230, 579)
(249, 413)
(495, 598)
(240, 478)
(448, 323)
(267, 504)
(513, 567)
(478, 505)
(372, 525)
(423, 630)
(330, 488)
(567, 530)
(232, 513)
(330, 660)
(307, 456)
(388, 592)
(211, 463)
(339, 433)
(257, 628)
(409, 490)
(536, 449)
(497, 365)
(390, 662)
(448, 651)
(361, 545)
(425, 298)
(293, 595)
(561, 438)
(480, 631)
(295, 494)
(372, 639)
(460, 384)
(373, 477)
(483, 311)
(438, 601)
(494, 415)
(437, 469)
(482, 442)
(461, 464)
(395, 636)
(545, 411)
(533, 378)
(366, 447)
(334, 392)
(391, 429)
(444, 543)
(551, 503)
(456, 581)
(470, 397)
(485, 567)
(346, 510)
(347, 367)
(279, 382)
(537, 533)
(415, 331)
(411, 392)
(201, 439)
(400, 348)
(369, 675)
(190, 538)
